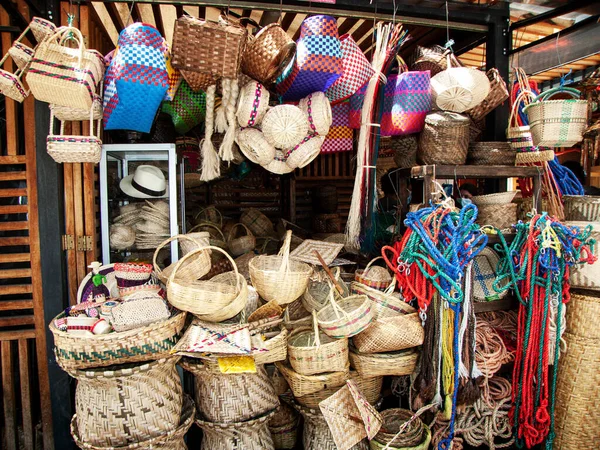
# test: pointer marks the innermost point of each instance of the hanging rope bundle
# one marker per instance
(490, 351)
(536, 265)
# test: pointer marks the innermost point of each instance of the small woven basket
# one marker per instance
(499, 198)
(491, 154)
(384, 303)
(445, 139)
(194, 268)
(278, 277)
(317, 109)
(278, 164)
(305, 151)
(390, 334)
(397, 363)
(327, 223)
(69, 114)
(216, 237)
(416, 435)
(254, 146)
(237, 305)
(149, 395)
(498, 94)
(311, 352)
(41, 28)
(345, 317)
(304, 385)
(275, 348)
(74, 149)
(252, 434)
(284, 126)
(210, 214)
(21, 54)
(500, 216)
(582, 208)
(241, 244)
(316, 296)
(253, 103)
(257, 222)
(432, 58)
(376, 277)
(405, 151)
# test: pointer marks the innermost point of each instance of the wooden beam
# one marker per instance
(287, 20)
(346, 26)
(105, 20)
(8, 394)
(145, 13)
(169, 16)
(158, 18)
(116, 16)
(12, 136)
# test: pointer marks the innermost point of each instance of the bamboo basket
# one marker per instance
(195, 268)
(390, 334)
(445, 139)
(248, 435)
(311, 352)
(491, 154)
(402, 362)
(383, 303)
(317, 293)
(172, 440)
(416, 435)
(237, 305)
(241, 244)
(303, 385)
(259, 224)
(276, 347)
(278, 277)
(375, 277)
(582, 208)
(149, 395)
(216, 236)
(346, 317)
(151, 342)
(501, 216)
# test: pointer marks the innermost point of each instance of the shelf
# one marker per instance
(471, 171)
(507, 303)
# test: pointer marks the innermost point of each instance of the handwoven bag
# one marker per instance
(341, 136)
(357, 71)
(252, 434)
(11, 84)
(187, 109)
(432, 58)
(557, 123)
(74, 149)
(137, 79)
(268, 53)
(407, 100)
(214, 48)
(356, 104)
(62, 75)
(497, 95)
(445, 139)
(318, 59)
(128, 404)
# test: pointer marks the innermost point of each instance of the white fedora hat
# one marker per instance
(146, 182)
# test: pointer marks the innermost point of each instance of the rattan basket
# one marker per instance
(316, 295)
(499, 198)
(241, 244)
(416, 435)
(278, 164)
(445, 139)
(383, 303)
(216, 236)
(194, 268)
(375, 277)
(501, 216)
(210, 214)
(390, 334)
(140, 344)
(305, 151)
(253, 103)
(402, 362)
(582, 208)
(254, 146)
(259, 224)
(432, 58)
(587, 276)
(303, 385)
(285, 433)
(237, 305)
(21, 54)
(278, 277)
(345, 317)
(491, 154)
(148, 394)
(252, 434)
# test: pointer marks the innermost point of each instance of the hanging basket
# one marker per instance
(41, 28)
(317, 110)
(305, 152)
(284, 126)
(434, 59)
(68, 114)
(253, 103)
(254, 146)
(195, 267)
(498, 94)
(21, 54)
(278, 164)
(445, 139)
(248, 435)
(74, 149)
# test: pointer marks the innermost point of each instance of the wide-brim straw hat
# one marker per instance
(284, 126)
(146, 182)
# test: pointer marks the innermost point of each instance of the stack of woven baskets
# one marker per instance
(496, 209)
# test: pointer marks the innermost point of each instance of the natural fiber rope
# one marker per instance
(210, 159)
(490, 351)
(226, 149)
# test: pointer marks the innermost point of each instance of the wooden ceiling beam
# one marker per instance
(117, 16)
(288, 18)
(158, 18)
(106, 22)
(144, 10)
(346, 26)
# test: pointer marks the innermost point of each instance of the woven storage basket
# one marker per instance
(383, 303)
(311, 352)
(445, 139)
(276, 347)
(390, 334)
(278, 277)
(327, 223)
(317, 110)
(304, 152)
(241, 244)
(253, 103)
(21, 54)
(141, 344)
(557, 123)
(194, 268)
(491, 154)
(432, 58)
(303, 385)
(62, 75)
(316, 295)
(416, 435)
(268, 53)
(499, 198)
(376, 277)
(401, 362)
(149, 395)
(577, 393)
(278, 164)
(587, 276)
(248, 435)
(345, 317)
(405, 148)
(210, 214)
(285, 436)
(254, 146)
(259, 224)
(209, 47)
(284, 126)
(582, 208)
(459, 89)
(74, 149)
(498, 94)
(204, 297)
(171, 440)
(499, 216)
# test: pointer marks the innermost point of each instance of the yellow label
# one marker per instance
(236, 364)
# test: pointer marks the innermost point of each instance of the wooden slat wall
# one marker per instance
(23, 359)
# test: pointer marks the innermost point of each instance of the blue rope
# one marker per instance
(567, 182)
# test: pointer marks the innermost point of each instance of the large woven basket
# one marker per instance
(557, 123)
(345, 317)
(171, 440)
(577, 393)
(582, 208)
(151, 342)
(415, 436)
(445, 139)
(390, 334)
(491, 154)
(278, 277)
(587, 276)
(311, 352)
(501, 216)
(285, 433)
(304, 385)
(253, 434)
(402, 362)
(238, 245)
(195, 267)
(259, 224)
(148, 395)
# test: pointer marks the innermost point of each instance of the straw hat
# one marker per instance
(146, 182)
(317, 109)
(121, 236)
(284, 126)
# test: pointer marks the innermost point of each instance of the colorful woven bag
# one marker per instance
(187, 109)
(407, 100)
(318, 59)
(357, 71)
(340, 136)
(137, 79)
(355, 107)
(175, 78)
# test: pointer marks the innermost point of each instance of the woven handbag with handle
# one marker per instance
(74, 149)
(11, 84)
(187, 109)
(497, 95)
(62, 75)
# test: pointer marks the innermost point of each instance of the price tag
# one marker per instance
(236, 364)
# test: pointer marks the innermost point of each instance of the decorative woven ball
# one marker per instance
(254, 146)
(284, 126)
(318, 112)
(253, 104)
(121, 236)
(305, 152)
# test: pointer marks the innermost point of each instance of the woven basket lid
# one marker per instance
(284, 126)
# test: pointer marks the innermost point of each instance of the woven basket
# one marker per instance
(327, 223)
(204, 297)
(432, 58)
(268, 53)
(317, 110)
(253, 103)
(416, 435)
(62, 75)
(500, 216)
(491, 154)
(587, 276)
(276, 347)
(210, 214)
(445, 139)
(459, 89)
(383, 303)
(376, 277)
(402, 362)
(519, 137)
(390, 334)
(208, 47)
(141, 344)
(304, 385)
(198, 81)
(498, 94)
(194, 268)
(278, 164)
(316, 296)
(278, 277)
(285, 436)
(345, 317)
(284, 126)
(149, 395)
(257, 222)
(237, 305)
(41, 28)
(254, 146)
(241, 244)
(304, 152)
(21, 54)
(499, 198)
(557, 123)
(405, 151)
(11, 84)
(248, 435)
(484, 276)
(66, 113)
(171, 440)
(311, 352)
(582, 208)
(228, 398)
(74, 149)
(216, 237)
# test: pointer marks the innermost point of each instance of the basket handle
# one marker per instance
(60, 36)
(211, 207)
(371, 263)
(316, 329)
(157, 269)
(198, 250)
(557, 90)
(230, 235)
(336, 308)
(284, 252)
(515, 106)
(209, 225)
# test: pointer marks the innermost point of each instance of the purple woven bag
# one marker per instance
(407, 100)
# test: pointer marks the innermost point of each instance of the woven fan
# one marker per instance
(305, 252)
(216, 339)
